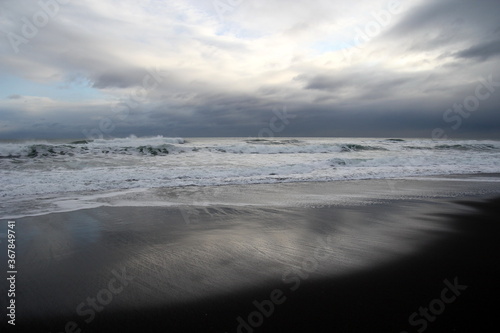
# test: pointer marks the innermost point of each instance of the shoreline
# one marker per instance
(388, 187)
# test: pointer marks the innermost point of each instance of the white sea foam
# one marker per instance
(33, 170)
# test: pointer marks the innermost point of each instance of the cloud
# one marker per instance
(224, 75)
(481, 51)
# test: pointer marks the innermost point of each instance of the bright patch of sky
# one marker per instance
(228, 63)
(12, 86)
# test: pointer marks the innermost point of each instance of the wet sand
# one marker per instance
(328, 268)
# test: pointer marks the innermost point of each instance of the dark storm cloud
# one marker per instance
(367, 81)
(482, 51)
(478, 15)
(226, 78)
(368, 85)
(426, 16)
(448, 25)
(118, 78)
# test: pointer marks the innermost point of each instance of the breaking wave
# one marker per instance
(38, 169)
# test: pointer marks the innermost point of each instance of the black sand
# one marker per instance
(200, 269)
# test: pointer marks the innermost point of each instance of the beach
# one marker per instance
(234, 166)
(408, 255)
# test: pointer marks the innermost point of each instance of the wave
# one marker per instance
(36, 169)
(466, 147)
(249, 147)
(345, 162)
(60, 151)
(162, 146)
(132, 145)
(357, 147)
(273, 142)
(457, 147)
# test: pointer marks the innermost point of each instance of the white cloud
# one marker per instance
(256, 52)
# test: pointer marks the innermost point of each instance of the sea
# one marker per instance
(40, 177)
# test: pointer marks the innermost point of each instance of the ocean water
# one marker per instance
(35, 174)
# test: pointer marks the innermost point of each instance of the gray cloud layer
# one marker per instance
(179, 70)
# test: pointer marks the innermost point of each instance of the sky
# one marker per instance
(201, 68)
